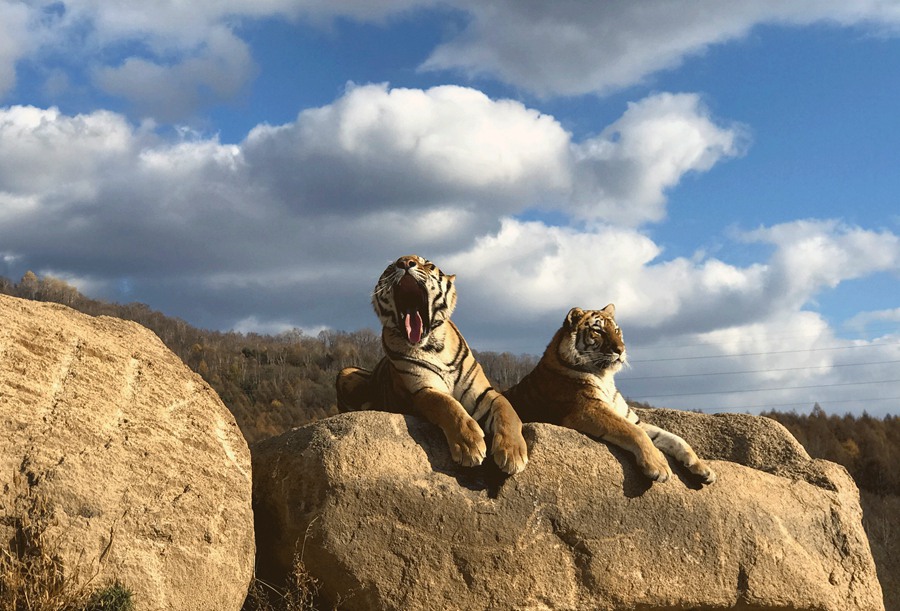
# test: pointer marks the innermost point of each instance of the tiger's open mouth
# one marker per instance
(411, 300)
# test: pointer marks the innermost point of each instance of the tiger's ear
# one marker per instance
(610, 310)
(573, 317)
(450, 277)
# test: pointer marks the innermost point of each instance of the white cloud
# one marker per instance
(14, 42)
(813, 255)
(184, 21)
(252, 324)
(186, 55)
(295, 208)
(689, 321)
(554, 268)
(872, 322)
(216, 69)
(404, 147)
(571, 47)
(382, 171)
(378, 147)
(216, 233)
(623, 174)
(48, 154)
(182, 56)
(790, 361)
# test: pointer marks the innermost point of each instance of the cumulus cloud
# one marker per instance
(292, 226)
(216, 70)
(185, 56)
(554, 268)
(789, 361)
(409, 149)
(55, 156)
(623, 174)
(812, 255)
(443, 171)
(864, 320)
(454, 145)
(181, 56)
(14, 42)
(294, 208)
(572, 47)
(700, 331)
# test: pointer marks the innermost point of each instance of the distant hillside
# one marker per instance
(274, 383)
(270, 383)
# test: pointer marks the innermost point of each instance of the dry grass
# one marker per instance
(298, 594)
(32, 574)
(883, 529)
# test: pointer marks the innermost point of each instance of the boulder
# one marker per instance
(383, 519)
(129, 464)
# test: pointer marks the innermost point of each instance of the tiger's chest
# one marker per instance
(438, 366)
(602, 390)
(606, 392)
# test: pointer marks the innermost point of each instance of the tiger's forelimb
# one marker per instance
(508, 446)
(602, 423)
(680, 450)
(464, 436)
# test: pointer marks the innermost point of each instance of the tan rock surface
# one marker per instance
(386, 520)
(144, 469)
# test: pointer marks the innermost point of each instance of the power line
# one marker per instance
(720, 356)
(625, 378)
(729, 392)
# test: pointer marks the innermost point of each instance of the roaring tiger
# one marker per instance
(573, 386)
(429, 370)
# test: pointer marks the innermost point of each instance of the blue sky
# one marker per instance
(725, 172)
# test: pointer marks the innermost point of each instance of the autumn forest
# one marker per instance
(272, 383)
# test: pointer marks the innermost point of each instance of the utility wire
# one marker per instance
(626, 378)
(729, 392)
(720, 356)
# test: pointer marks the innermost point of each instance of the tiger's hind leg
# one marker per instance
(354, 389)
(680, 450)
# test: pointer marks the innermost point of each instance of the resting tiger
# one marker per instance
(573, 386)
(429, 370)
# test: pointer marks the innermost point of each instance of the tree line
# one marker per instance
(272, 383)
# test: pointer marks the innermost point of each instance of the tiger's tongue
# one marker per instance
(413, 327)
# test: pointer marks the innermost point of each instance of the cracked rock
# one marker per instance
(138, 469)
(386, 520)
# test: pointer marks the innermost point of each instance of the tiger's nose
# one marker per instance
(406, 262)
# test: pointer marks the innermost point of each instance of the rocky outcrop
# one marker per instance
(140, 471)
(385, 520)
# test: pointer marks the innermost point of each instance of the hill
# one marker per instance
(274, 383)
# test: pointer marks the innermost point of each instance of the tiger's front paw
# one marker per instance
(467, 445)
(654, 465)
(509, 450)
(703, 471)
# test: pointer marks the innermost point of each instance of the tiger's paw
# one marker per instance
(654, 465)
(509, 451)
(467, 446)
(703, 471)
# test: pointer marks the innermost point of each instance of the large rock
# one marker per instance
(139, 469)
(385, 520)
